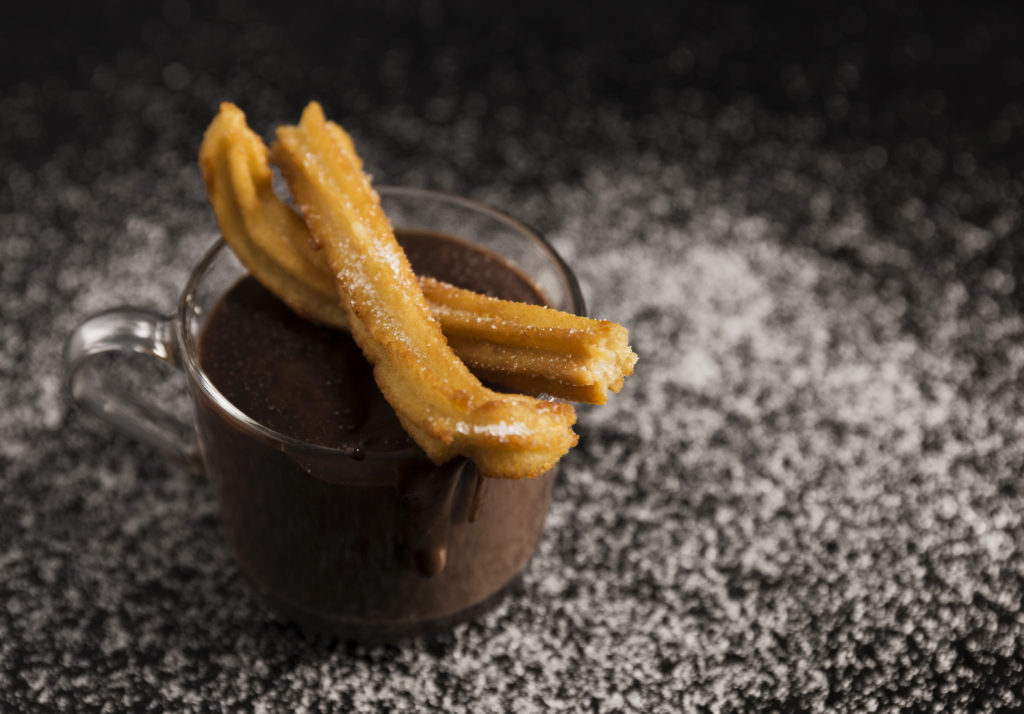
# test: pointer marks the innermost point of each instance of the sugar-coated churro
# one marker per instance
(532, 348)
(445, 409)
(266, 235)
(524, 347)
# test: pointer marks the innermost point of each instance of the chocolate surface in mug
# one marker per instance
(312, 383)
(365, 546)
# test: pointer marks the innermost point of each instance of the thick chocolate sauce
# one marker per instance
(372, 541)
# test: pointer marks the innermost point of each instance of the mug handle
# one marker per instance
(128, 329)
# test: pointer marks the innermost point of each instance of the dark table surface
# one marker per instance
(810, 495)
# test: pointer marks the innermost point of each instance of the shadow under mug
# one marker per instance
(367, 545)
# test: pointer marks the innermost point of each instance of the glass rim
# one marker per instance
(189, 349)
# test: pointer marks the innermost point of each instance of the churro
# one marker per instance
(445, 409)
(524, 347)
(266, 235)
(532, 348)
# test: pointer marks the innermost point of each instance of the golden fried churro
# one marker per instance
(532, 348)
(524, 347)
(266, 235)
(445, 409)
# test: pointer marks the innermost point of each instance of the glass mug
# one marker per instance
(367, 545)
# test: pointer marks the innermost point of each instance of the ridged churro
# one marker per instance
(266, 235)
(532, 348)
(525, 347)
(445, 409)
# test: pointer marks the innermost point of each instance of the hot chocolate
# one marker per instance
(401, 544)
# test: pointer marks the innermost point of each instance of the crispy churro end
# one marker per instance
(312, 115)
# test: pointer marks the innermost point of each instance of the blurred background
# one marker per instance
(468, 98)
(808, 215)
